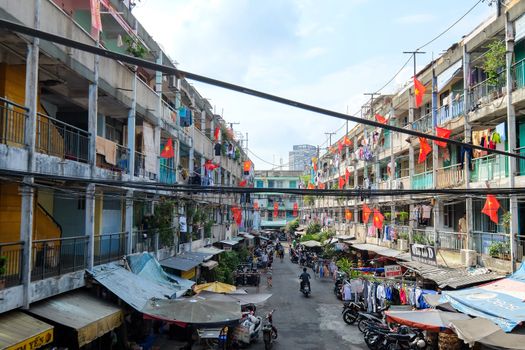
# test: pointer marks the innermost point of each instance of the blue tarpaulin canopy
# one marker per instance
(501, 301)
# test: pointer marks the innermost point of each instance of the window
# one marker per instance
(259, 184)
(278, 184)
(271, 184)
(293, 184)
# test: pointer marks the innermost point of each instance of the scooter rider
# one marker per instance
(305, 279)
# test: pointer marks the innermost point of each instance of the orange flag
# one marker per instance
(419, 92)
(216, 133)
(380, 118)
(340, 146)
(378, 219)
(167, 151)
(255, 205)
(347, 141)
(347, 175)
(341, 182)
(247, 165)
(275, 209)
(366, 213)
(424, 149)
(310, 186)
(348, 214)
(444, 133)
(322, 186)
(491, 208)
(243, 183)
(295, 209)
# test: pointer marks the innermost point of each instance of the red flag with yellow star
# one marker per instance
(444, 133)
(348, 214)
(424, 149)
(167, 151)
(366, 213)
(295, 211)
(380, 118)
(378, 219)
(341, 182)
(275, 209)
(491, 208)
(419, 92)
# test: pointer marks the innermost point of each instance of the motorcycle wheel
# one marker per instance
(362, 325)
(349, 317)
(393, 346)
(267, 341)
(372, 341)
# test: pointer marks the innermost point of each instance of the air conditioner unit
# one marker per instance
(172, 81)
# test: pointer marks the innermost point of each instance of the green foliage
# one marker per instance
(494, 61)
(305, 179)
(3, 265)
(309, 200)
(237, 154)
(388, 216)
(344, 265)
(291, 226)
(162, 221)
(419, 238)
(228, 264)
(506, 220)
(207, 228)
(313, 227)
(319, 236)
(135, 48)
(402, 216)
(403, 235)
(499, 249)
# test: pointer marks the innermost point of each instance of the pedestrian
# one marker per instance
(269, 277)
(264, 259)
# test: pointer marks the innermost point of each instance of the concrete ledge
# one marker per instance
(56, 285)
(495, 264)
(11, 298)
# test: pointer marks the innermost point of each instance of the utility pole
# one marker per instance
(411, 114)
(330, 137)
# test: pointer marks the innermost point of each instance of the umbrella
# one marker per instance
(311, 244)
(485, 331)
(195, 310)
(429, 320)
(217, 287)
(239, 298)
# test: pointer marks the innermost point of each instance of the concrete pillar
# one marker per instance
(411, 112)
(467, 137)
(26, 189)
(90, 225)
(131, 127)
(435, 153)
(356, 200)
(156, 136)
(392, 167)
(129, 221)
(511, 127)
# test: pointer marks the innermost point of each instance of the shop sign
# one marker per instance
(35, 342)
(182, 224)
(519, 25)
(393, 271)
(423, 253)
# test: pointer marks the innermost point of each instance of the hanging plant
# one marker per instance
(135, 48)
(494, 62)
(163, 221)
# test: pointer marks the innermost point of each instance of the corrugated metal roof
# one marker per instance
(178, 263)
(16, 327)
(378, 249)
(196, 256)
(451, 278)
(229, 242)
(209, 250)
(131, 288)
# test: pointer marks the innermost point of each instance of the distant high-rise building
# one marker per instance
(301, 156)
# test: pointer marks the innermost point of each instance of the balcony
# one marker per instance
(58, 256)
(521, 162)
(450, 176)
(422, 181)
(451, 240)
(168, 173)
(483, 240)
(13, 253)
(487, 91)
(423, 124)
(12, 123)
(487, 168)
(518, 73)
(109, 247)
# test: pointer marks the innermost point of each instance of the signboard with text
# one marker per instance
(423, 253)
(393, 271)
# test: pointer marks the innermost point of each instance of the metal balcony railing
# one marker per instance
(140, 164)
(12, 253)
(450, 176)
(109, 247)
(483, 240)
(423, 124)
(487, 91)
(451, 240)
(518, 73)
(60, 139)
(12, 123)
(491, 167)
(422, 181)
(521, 163)
(144, 240)
(57, 256)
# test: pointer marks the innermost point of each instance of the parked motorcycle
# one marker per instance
(250, 328)
(269, 331)
(340, 280)
(351, 311)
(402, 338)
(294, 258)
(370, 318)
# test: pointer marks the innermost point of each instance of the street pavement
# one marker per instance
(305, 323)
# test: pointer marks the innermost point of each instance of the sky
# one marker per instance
(327, 54)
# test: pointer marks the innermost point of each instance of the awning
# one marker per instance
(242, 299)
(499, 301)
(177, 263)
(210, 264)
(18, 330)
(391, 253)
(247, 235)
(451, 278)
(209, 250)
(131, 288)
(311, 244)
(237, 239)
(345, 237)
(484, 331)
(428, 320)
(89, 316)
(229, 242)
(197, 256)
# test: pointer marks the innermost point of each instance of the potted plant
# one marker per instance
(3, 270)
(494, 64)
(402, 241)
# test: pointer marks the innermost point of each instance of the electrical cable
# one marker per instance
(229, 86)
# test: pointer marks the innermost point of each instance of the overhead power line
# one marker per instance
(229, 86)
